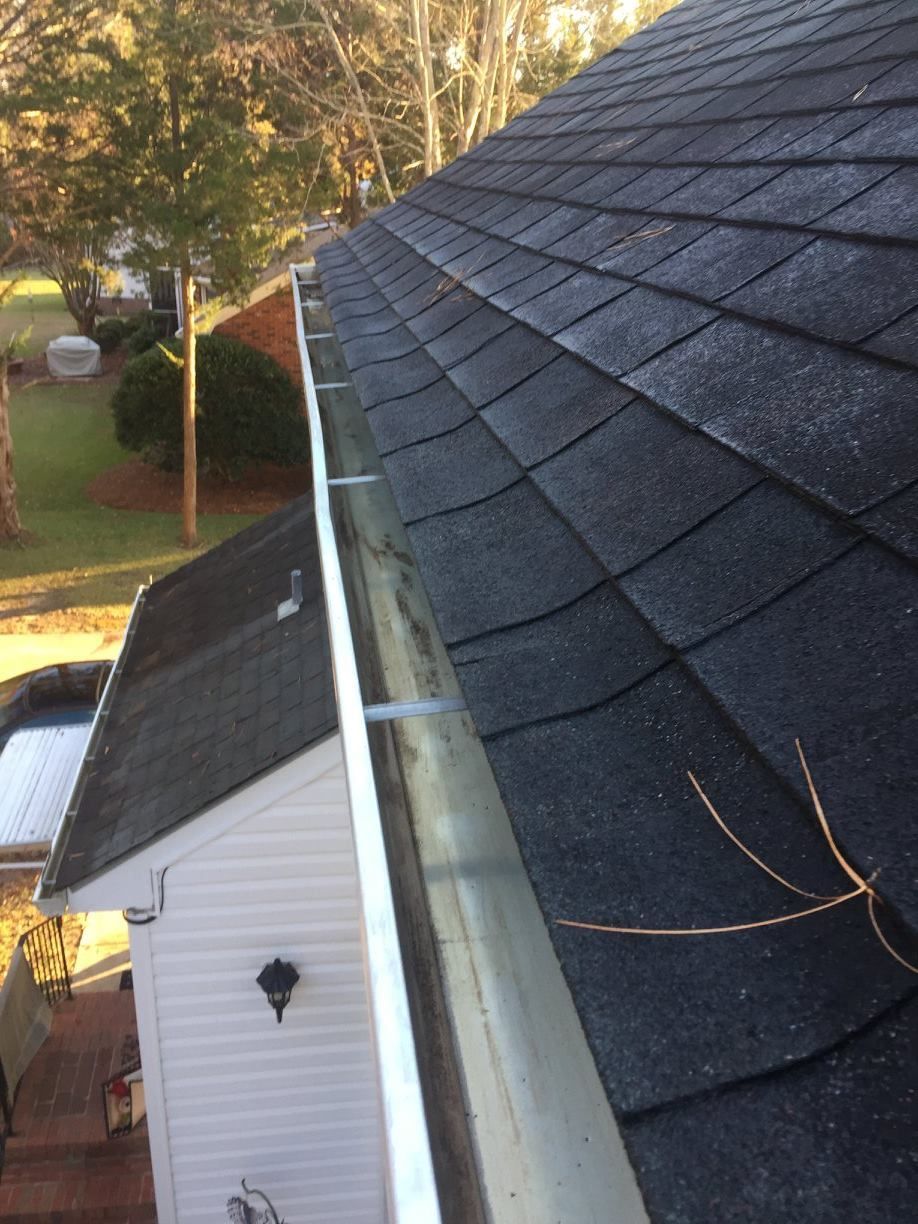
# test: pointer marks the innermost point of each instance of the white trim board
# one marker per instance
(154, 1094)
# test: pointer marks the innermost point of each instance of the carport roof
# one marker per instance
(37, 769)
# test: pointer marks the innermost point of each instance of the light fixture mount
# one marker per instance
(277, 980)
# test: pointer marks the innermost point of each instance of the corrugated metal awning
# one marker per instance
(37, 769)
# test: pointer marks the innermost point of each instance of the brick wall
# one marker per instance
(269, 326)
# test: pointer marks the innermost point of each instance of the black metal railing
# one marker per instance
(44, 949)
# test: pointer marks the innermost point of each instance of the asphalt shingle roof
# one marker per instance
(214, 691)
(679, 296)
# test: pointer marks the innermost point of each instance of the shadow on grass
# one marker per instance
(76, 564)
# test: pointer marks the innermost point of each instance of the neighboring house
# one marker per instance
(159, 291)
(641, 369)
(128, 290)
(261, 322)
(266, 322)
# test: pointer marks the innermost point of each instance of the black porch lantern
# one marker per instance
(277, 980)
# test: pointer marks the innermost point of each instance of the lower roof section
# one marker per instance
(211, 688)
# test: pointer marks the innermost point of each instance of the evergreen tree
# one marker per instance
(156, 129)
(202, 181)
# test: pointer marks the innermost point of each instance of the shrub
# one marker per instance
(110, 331)
(247, 408)
(142, 334)
(137, 318)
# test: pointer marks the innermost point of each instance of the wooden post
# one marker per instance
(190, 457)
(10, 526)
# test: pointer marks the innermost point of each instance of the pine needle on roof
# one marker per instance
(864, 886)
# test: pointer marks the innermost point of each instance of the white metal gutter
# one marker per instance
(46, 898)
(542, 1134)
(411, 1189)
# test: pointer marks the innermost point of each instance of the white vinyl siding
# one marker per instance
(293, 1107)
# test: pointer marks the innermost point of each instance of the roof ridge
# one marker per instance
(784, 72)
(780, 24)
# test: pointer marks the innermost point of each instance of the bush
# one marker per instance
(142, 334)
(135, 319)
(247, 408)
(110, 331)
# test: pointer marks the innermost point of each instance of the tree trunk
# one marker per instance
(508, 77)
(190, 457)
(76, 305)
(189, 446)
(420, 28)
(501, 83)
(74, 268)
(86, 321)
(10, 527)
(353, 194)
(352, 79)
(489, 65)
(483, 75)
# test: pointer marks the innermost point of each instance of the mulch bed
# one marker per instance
(136, 485)
(35, 369)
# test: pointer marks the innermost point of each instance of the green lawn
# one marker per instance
(86, 561)
(36, 304)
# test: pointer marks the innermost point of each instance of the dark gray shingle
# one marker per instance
(214, 691)
(788, 189)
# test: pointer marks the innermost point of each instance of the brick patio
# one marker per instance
(60, 1166)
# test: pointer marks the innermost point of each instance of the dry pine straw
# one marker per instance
(863, 886)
